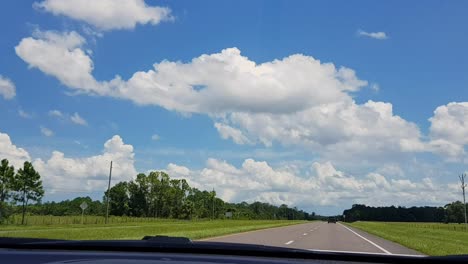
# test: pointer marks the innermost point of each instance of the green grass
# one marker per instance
(433, 239)
(136, 230)
(74, 219)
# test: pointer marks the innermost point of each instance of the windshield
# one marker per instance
(321, 125)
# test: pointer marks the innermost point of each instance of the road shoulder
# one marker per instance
(392, 247)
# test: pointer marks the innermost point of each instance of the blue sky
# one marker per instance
(312, 128)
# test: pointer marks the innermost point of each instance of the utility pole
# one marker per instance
(463, 186)
(213, 203)
(108, 193)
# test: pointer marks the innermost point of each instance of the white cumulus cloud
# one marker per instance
(312, 184)
(450, 122)
(16, 155)
(227, 132)
(60, 172)
(108, 14)
(227, 81)
(88, 173)
(337, 129)
(212, 84)
(297, 100)
(59, 55)
(7, 88)
(322, 184)
(449, 130)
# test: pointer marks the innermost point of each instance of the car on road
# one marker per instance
(332, 220)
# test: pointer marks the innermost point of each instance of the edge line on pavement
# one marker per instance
(361, 252)
(289, 242)
(374, 244)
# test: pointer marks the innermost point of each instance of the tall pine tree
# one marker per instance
(28, 186)
(7, 177)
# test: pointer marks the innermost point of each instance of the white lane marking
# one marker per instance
(305, 234)
(361, 252)
(374, 244)
(289, 242)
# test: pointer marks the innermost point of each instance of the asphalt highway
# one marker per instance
(321, 236)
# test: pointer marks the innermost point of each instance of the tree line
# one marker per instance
(149, 195)
(157, 195)
(450, 213)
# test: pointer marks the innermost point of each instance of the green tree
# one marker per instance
(7, 177)
(119, 199)
(28, 187)
(455, 212)
(138, 200)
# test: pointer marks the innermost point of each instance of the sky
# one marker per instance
(314, 104)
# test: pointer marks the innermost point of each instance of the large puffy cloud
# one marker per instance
(108, 14)
(88, 173)
(211, 84)
(297, 100)
(62, 173)
(227, 81)
(307, 186)
(449, 129)
(14, 154)
(59, 55)
(321, 184)
(335, 129)
(7, 88)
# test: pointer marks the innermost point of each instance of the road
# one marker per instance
(319, 236)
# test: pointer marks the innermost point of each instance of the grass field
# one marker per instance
(136, 230)
(428, 238)
(74, 219)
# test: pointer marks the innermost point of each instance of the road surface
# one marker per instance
(319, 236)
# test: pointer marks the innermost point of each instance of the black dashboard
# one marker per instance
(181, 250)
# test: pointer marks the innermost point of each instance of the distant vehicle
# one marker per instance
(332, 220)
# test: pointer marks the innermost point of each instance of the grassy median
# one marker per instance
(429, 238)
(191, 229)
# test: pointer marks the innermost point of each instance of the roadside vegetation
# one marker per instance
(428, 238)
(450, 213)
(193, 229)
(147, 198)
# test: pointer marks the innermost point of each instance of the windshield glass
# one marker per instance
(319, 125)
